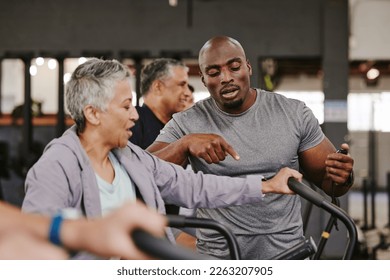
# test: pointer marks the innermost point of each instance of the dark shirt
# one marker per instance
(145, 131)
(147, 128)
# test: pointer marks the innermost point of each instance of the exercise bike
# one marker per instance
(163, 249)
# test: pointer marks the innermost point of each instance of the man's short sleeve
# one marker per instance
(170, 133)
(312, 134)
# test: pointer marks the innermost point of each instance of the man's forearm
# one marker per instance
(175, 152)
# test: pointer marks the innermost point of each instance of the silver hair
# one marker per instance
(93, 83)
(158, 69)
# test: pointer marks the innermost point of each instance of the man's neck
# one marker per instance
(159, 112)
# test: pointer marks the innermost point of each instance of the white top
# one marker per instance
(120, 191)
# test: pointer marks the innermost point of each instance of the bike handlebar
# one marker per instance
(183, 221)
(317, 199)
(161, 248)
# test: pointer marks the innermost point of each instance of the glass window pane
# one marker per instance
(369, 111)
(12, 84)
(44, 83)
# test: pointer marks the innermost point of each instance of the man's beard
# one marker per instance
(234, 104)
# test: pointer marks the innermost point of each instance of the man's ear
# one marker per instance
(202, 78)
(249, 67)
(91, 114)
(157, 86)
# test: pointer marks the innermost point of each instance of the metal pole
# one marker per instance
(138, 69)
(61, 112)
(27, 115)
(373, 211)
(372, 173)
(388, 199)
(365, 206)
(1, 78)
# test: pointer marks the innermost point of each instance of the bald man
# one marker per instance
(240, 130)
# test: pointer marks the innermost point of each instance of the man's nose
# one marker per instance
(187, 92)
(225, 76)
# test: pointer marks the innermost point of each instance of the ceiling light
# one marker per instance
(52, 64)
(173, 3)
(33, 70)
(372, 74)
(82, 60)
(39, 61)
(67, 77)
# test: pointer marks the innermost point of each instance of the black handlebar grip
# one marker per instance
(177, 221)
(300, 251)
(317, 199)
(305, 191)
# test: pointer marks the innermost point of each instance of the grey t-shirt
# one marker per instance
(268, 136)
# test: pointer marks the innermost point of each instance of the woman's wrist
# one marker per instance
(65, 228)
(73, 233)
(55, 229)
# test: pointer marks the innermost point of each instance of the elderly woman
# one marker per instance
(94, 168)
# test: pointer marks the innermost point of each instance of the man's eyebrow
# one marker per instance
(215, 66)
(230, 61)
(236, 59)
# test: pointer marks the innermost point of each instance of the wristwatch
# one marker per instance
(350, 180)
(56, 222)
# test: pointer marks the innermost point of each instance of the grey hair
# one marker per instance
(92, 83)
(158, 69)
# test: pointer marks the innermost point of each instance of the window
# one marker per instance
(369, 111)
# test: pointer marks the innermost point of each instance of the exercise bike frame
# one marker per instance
(162, 249)
(320, 201)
